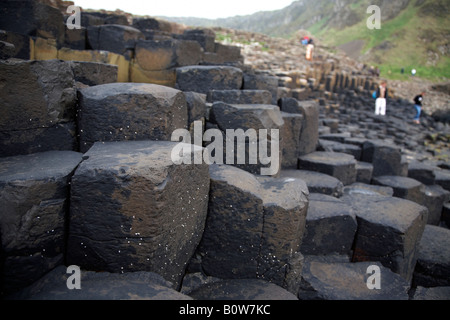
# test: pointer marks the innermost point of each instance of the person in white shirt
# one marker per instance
(381, 96)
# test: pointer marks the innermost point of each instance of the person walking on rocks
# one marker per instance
(381, 96)
(310, 50)
(418, 105)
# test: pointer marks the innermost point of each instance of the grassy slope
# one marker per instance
(403, 35)
(407, 39)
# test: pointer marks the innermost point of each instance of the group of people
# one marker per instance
(381, 94)
(309, 43)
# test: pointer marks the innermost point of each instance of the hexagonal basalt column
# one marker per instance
(317, 182)
(348, 281)
(330, 227)
(251, 136)
(254, 226)
(405, 188)
(129, 111)
(34, 197)
(339, 165)
(389, 231)
(385, 158)
(202, 79)
(133, 209)
(433, 262)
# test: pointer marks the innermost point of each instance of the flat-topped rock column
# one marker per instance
(405, 188)
(431, 196)
(254, 226)
(34, 197)
(309, 109)
(290, 139)
(262, 82)
(37, 113)
(434, 198)
(252, 136)
(129, 111)
(114, 38)
(389, 231)
(385, 158)
(324, 280)
(330, 227)
(317, 182)
(433, 261)
(101, 286)
(133, 209)
(203, 79)
(339, 165)
(240, 96)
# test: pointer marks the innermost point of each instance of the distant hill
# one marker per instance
(414, 33)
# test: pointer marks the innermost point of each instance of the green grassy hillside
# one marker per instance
(418, 37)
(414, 33)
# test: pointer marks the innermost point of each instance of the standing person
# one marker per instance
(377, 72)
(418, 105)
(310, 50)
(381, 96)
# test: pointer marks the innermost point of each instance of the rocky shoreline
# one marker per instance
(88, 177)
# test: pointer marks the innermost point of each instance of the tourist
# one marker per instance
(418, 105)
(310, 50)
(381, 96)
